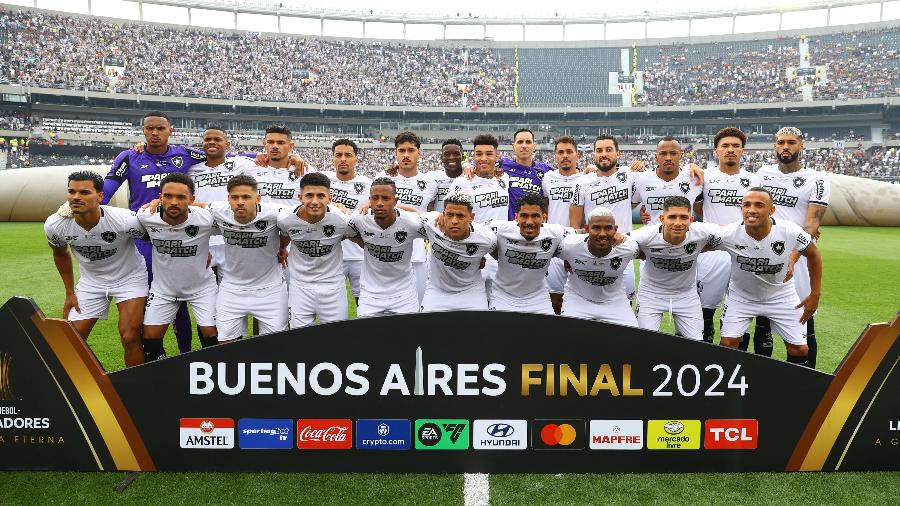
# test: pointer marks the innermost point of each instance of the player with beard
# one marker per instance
(179, 234)
(669, 275)
(144, 170)
(352, 191)
(279, 182)
(316, 229)
(251, 283)
(415, 189)
(559, 188)
(451, 160)
(211, 181)
(525, 248)
(525, 175)
(598, 261)
(102, 239)
(386, 235)
(801, 196)
(458, 247)
(761, 248)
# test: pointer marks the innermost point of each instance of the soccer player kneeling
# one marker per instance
(597, 262)
(251, 276)
(760, 285)
(179, 234)
(458, 247)
(102, 238)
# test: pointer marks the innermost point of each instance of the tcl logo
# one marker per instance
(324, 434)
(731, 434)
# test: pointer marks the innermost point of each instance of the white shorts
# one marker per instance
(713, 273)
(161, 309)
(556, 275)
(616, 311)
(738, 314)
(379, 305)
(268, 306)
(685, 309)
(328, 302)
(352, 271)
(472, 299)
(538, 303)
(94, 302)
(420, 269)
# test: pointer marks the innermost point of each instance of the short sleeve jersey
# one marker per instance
(522, 179)
(180, 253)
(758, 267)
(144, 171)
(211, 183)
(388, 252)
(418, 192)
(651, 191)
(251, 249)
(521, 263)
(793, 192)
(353, 194)
(560, 190)
(278, 186)
(612, 192)
(444, 182)
(106, 253)
(597, 279)
(723, 194)
(316, 255)
(490, 196)
(454, 265)
(671, 269)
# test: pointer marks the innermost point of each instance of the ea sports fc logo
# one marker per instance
(557, 434)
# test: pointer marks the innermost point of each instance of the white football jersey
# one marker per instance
(651, 191)
(211, 183)
(597, 279)
(671, 269)
(180, 253)
(455, 266)
(522, 264)
(723, 194)
(758, 267)
(388, 252)
(444, 182)
(316, 255)
(106, 253)
(418, 192)
(490, 196)
(251, 250)
(795, 191)
(353, 194)
(561, 192)
(612, 192)
(279, 186)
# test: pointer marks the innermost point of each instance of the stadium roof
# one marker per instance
(500, 20)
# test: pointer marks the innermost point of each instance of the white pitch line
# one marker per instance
(476, 489)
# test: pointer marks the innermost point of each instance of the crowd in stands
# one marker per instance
(859, 65)
(15, 119)
(52, 50)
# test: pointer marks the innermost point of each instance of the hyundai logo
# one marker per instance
(501, 430)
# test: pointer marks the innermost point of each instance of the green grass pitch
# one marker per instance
(861, 285)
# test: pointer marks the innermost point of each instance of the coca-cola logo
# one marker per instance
(324, 434)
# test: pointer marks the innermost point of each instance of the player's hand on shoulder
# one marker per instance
(392, 170)
(262, 160)
(151, 206)
(300, 166)
(591, 168)
(139, 147)
(696, 173)
(645, 216)
(65, 210)
(636, 166)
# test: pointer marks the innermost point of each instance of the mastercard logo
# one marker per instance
(562, 434)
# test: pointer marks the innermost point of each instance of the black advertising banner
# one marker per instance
(445, 393)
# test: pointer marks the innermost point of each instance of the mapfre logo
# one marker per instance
(324, 434)
(616, 435)
(731, 435)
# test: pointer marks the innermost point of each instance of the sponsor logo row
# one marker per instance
(457, 434)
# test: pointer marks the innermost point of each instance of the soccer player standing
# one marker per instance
(723, 190)
(102, 238)
(316, 260)
(351, 190)
(761, 247)
(179, 234)
(651, 188)
(451, 160)
(279, 182)
(458, 247)
(144, 171)
(669, 276)
(386, 234)
(251, 282)
(559, 188)
(598, 261)
(525, 248)
(801, 196)
(415, 189)
(525, 175)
